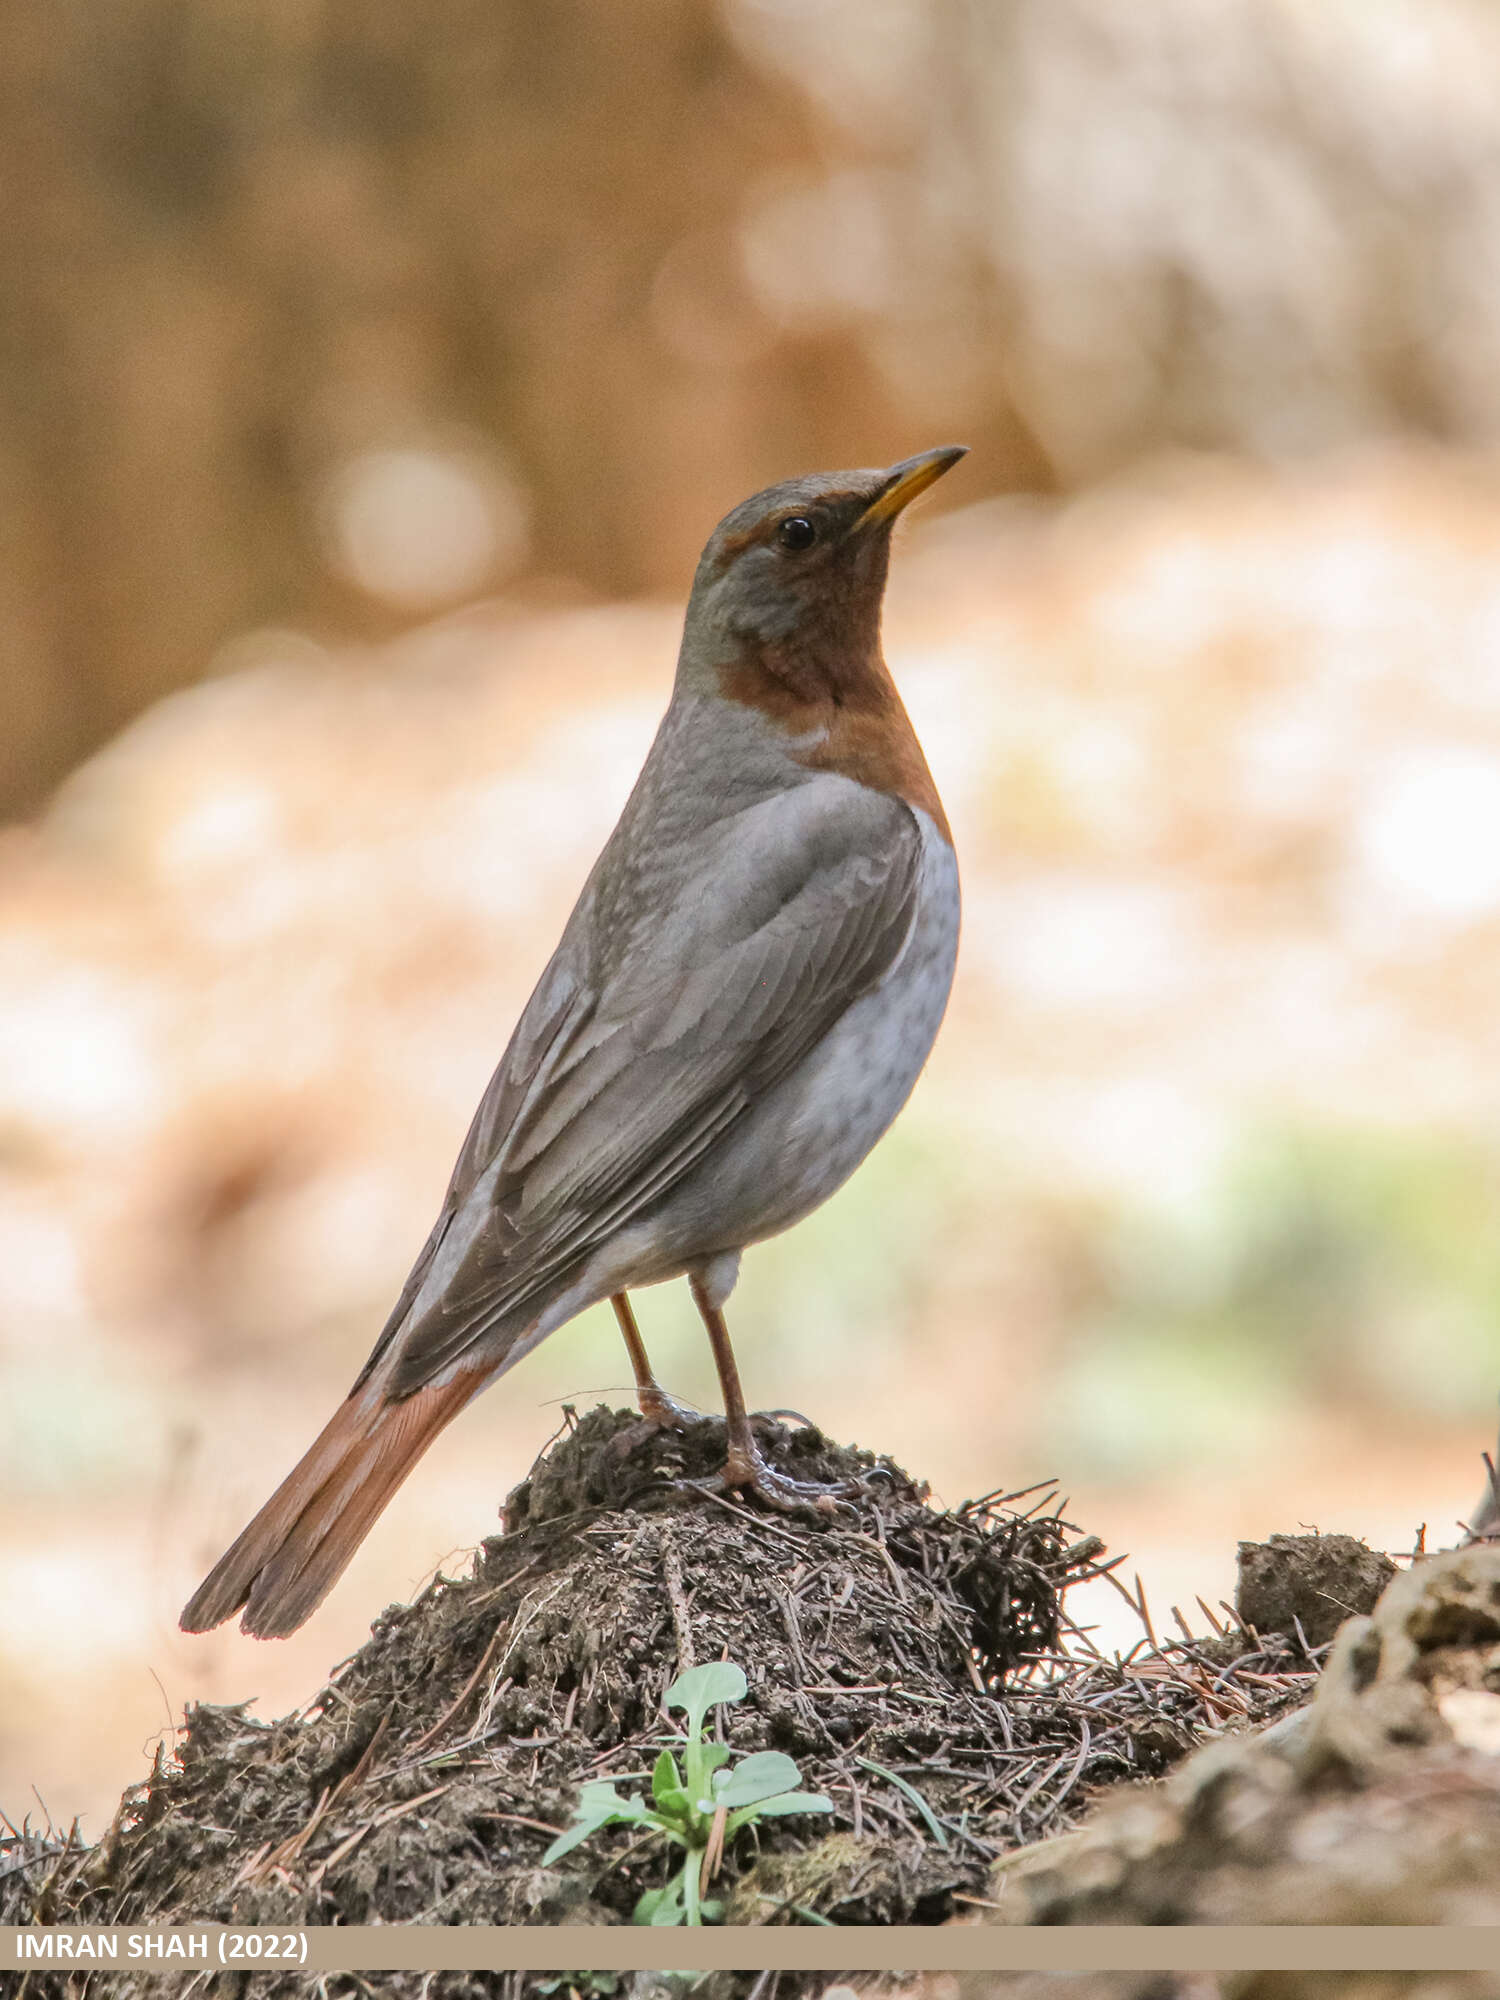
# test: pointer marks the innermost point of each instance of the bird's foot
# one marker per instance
(746, 1470)
(662, 1412)
(659, 1412)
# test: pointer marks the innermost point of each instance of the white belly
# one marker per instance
(805, 1139)
(809, 1135)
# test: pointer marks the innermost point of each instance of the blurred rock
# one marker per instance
(1305, 1586)
(1380, 1804)
(1219, 1986)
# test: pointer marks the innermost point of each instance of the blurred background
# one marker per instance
(369, 379)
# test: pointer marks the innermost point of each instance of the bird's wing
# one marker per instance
(612, 1092)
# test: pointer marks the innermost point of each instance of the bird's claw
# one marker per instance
(746, 1471)
(659, 1412)
(663, 1412)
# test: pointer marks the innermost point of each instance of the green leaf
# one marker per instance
(661, 1907)
(600, 1796)
(776, 1808)
(703, 1760)
(702, 1688)
(666, 1783)
(692, 1874)
(793, 1802)
(571, 1837)
(674, 1826)
(911, 1792)
(574, 1835)
(754, 1778)
(599, 1805)
(648, 1904)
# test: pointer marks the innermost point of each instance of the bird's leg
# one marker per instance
(745, 1469)
(659, 1409)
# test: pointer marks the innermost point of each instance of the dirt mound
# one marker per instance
(1378, 1804)
(907, 1658)
(893, 1650)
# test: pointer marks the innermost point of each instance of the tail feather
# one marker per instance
(290, 1556)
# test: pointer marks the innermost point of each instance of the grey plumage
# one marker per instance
(739, 1005)
(640, 1051)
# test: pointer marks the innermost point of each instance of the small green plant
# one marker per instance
(699, 1806)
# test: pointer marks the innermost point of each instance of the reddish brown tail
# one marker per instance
(294, 1551)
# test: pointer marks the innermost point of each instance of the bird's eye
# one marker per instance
(796, 533)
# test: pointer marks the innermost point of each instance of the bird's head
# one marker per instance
(790, 584)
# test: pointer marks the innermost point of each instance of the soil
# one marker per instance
(919, 1665)
(1305, 1586)
(426, 1781)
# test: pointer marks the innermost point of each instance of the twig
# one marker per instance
(713, 1853)
(682, 1623)
(1030, 1793)
(755, 1520)
(455, 1707)
(386, 1818)
(1137, 1603)
(1073, 1775)
(520, 1819)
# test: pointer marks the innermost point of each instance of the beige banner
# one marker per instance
(953, 1948)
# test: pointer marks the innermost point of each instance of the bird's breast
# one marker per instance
(863, 1070)
(809, 1134)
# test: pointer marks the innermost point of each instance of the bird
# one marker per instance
(742, 1000)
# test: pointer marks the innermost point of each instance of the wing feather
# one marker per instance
(613, 1091)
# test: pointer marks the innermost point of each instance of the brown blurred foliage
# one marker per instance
(243, 241)
(623, 264)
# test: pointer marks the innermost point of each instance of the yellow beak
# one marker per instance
(906, 480)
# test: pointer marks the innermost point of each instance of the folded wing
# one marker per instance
(625, 1072)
